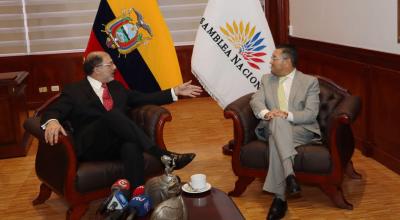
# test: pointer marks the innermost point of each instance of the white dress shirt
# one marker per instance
(287, 85)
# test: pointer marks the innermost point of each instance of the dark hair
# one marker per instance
(91, 62)
(289, 51)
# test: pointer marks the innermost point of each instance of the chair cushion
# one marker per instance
(254, 155)
(102, 174)
(311, 158)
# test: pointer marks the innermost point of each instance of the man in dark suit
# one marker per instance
(287, 104)
(97, 108)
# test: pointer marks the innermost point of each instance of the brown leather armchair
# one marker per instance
(322, 164)
(81, 182)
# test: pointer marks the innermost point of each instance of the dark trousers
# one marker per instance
(115, 136)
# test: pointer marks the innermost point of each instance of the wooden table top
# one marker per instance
(211, 205)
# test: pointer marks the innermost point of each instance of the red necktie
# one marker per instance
(107, 99)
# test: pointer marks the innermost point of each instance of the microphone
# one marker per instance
(121, 184)
(119, 195)
(139, 206)
(138, 191)
(117, 206)
(118, 199)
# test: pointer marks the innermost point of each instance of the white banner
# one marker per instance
(232, 50)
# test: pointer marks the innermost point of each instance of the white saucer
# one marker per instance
(188, 189)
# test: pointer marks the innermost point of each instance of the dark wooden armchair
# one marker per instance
(81, 182)
(323, 164)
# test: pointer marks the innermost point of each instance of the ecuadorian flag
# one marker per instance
(137, 38)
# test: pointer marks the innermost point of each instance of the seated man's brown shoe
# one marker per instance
(277, 210)
(292, 187)
(181, 160)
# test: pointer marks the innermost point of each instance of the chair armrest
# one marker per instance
(244, 124)
(340, 143)
(350, 106)
(152, 118)
(244, 121)
(32, 126)
(344, 115)
(55, 165)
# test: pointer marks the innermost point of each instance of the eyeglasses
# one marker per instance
(105, 64)
(279, 58)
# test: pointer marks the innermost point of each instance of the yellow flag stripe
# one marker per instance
(159, 53)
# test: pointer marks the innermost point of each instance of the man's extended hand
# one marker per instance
(53, 129)
(187, 89)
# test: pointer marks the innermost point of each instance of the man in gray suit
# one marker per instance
(287, 104)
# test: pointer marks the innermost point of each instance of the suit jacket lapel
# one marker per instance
(293, 90)
(89, 92)
(274, 87)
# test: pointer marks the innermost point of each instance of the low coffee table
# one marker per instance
(211, 205)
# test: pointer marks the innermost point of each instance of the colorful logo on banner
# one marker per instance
(127, 32)
(250, 45)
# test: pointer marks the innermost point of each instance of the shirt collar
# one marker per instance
(291, 74)
(94, 82)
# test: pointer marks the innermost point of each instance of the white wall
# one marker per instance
(368, 24)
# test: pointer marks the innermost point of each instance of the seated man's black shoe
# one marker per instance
(292, 187)
(181, 160)
(277, 210)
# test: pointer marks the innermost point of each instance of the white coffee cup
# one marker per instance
(198, 181)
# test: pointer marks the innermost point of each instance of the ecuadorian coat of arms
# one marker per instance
(127, 32)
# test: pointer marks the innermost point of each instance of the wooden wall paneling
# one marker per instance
(272, 18)
(45, 70)
(18, 63)
(53, 70)
(385, 120)
(367, 143)
(277, 14)
(346, 73)
(307, 62)
(184, 54)
(6, 134)
(283, 21)
(354, 77)
(13, 111)
(15, 63)
(370, 57)
(372, 75)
